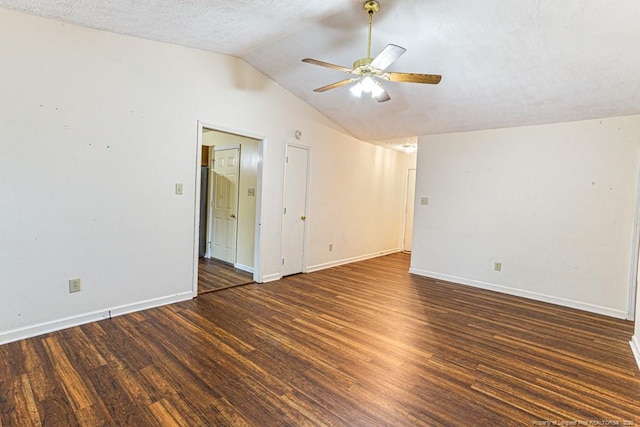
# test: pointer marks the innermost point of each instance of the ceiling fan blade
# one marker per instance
(433, 79)
(326, 64)
(383, 96)
(334, 85)
(388, 56)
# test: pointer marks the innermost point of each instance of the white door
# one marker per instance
(225, 204)
(209, 222)
(295, 209)
(408, 217)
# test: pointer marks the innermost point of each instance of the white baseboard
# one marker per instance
(635, 348)
(68, 322)
(620, 314)
(336, 263)
(318, 267)
(271, 278)
(243, 267)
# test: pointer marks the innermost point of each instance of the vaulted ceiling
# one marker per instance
(504, 62)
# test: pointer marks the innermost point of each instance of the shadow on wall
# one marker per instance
(244, 77)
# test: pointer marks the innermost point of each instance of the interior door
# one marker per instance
(204, 206)
(408, 217)
(225, 204)
(295, 209)
(210, 187)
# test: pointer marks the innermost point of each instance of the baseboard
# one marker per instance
(635, 348)
(243, 268)
(68, 322)
(152, 303)
(343, 261)
(277, 276)
(620, 314)
(270, 278)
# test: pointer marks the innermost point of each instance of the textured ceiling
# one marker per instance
(504, 62)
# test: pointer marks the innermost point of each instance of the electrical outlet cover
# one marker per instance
(75, 285)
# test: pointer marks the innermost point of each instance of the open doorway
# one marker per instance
(229, 174)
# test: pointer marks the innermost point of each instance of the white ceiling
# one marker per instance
(504, 62)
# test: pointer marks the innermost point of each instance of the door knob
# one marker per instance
(303, 217)
(232, 215)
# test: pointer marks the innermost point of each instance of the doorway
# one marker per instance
(227, 226)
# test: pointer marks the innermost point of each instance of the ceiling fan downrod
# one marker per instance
(371, 6)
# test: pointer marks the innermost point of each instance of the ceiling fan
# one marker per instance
(369, 71)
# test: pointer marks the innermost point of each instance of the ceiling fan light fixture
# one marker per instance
(376, 90)
(356, 90)
(367, 85)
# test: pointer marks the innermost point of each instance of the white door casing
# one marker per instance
(294, 222)
(225, 203)
(259, 243)
(409, 207)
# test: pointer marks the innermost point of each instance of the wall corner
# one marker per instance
(635, 348)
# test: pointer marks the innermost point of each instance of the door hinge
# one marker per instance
(285, 211)
(286, 159)
(282, 261)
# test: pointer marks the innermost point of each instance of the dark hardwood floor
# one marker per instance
(364, 344)
(215, 275)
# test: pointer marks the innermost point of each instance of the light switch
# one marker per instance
(179, 189)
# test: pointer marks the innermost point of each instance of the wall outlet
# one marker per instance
(330, 247)
(497, 266)
(424, 201)
(75, 285)
(179, 189)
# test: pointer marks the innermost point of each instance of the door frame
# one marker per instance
(634, 274)
(408, 206)
(306, 204)
(259, 238)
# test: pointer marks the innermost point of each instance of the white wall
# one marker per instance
(554, 203)
(98, 128)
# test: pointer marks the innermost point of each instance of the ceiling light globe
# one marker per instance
(368, 84)
(356, 90)
(377, 90)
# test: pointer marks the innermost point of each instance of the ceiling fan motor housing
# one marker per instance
(361, 66)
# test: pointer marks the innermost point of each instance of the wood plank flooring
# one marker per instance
(214, 275)
(364, 344)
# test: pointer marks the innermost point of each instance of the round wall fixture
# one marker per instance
(298, 134)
